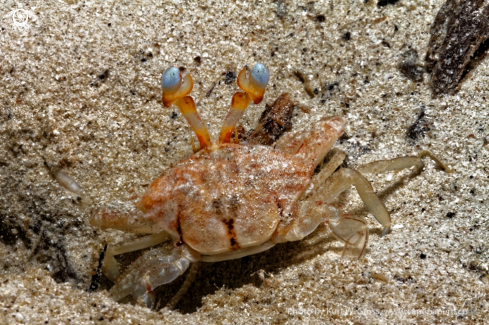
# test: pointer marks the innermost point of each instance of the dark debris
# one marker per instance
(100, 78)
(301, 76)
(211, 88)
(457, 32)
(98, 273)
(419, 127)
(281, 8)
(383, 3)
(409, 66)
(229, 78)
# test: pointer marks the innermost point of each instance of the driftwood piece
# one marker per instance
(457, 32)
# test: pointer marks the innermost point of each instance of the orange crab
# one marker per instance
(232, 200)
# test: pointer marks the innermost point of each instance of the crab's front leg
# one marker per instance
(253, 83)
(109, 265)
(129, 221)
(156, 267)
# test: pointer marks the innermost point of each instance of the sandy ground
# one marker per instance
(80, 90)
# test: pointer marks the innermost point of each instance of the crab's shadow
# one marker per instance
(237, 273)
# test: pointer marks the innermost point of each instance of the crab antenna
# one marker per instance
(254, 84)
(175, 91)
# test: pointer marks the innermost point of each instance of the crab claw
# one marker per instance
(154, 268)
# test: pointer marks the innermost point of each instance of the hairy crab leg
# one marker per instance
(253, 83)
(110, 267)
(175, 91)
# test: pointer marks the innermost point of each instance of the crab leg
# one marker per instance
(254, 84)
(109, 266)
(154, 268)
(352, 231)
(343, 179)
(185, 286)
(107, 218)
(325, 172)
(175, 91)
(382, 166)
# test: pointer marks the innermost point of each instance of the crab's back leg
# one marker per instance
(175, 91)
(254, 84)
(318, 142)
(382, 166)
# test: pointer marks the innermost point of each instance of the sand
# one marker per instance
(80, 90)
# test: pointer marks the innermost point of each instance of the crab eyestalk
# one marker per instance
(253, 83)
(175, 91)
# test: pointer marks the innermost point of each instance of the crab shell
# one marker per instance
(227, 197)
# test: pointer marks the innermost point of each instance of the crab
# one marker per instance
(231, 200)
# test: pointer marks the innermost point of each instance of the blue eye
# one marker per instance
(260, 75)
(171, 79)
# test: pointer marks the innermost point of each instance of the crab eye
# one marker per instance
(171, 80)
(259, 75)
